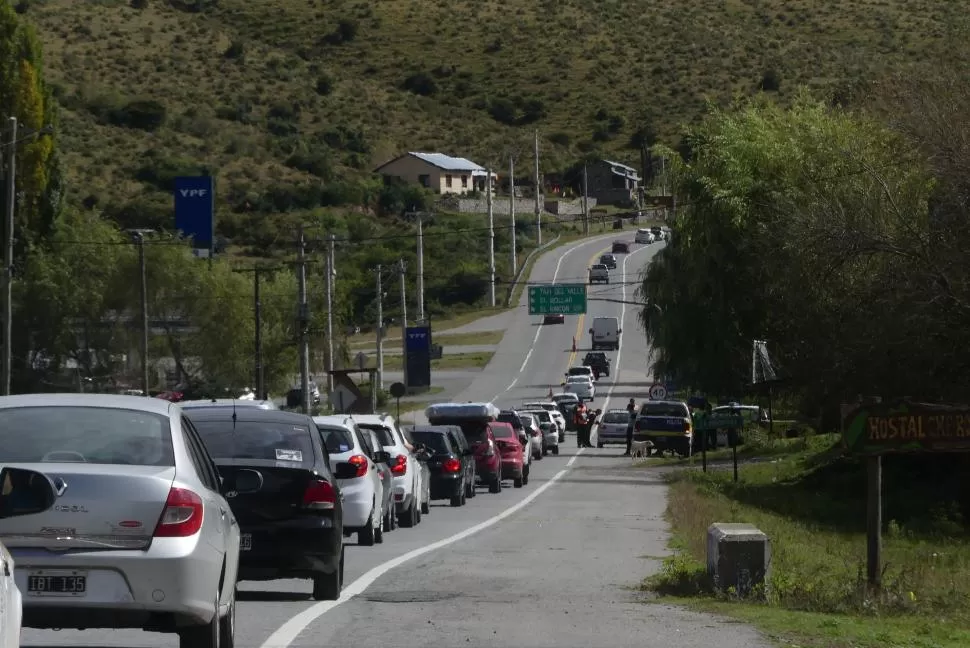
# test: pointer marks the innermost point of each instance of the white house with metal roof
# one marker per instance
(443, 174)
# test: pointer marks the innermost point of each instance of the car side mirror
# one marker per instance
(27, 492)
(382, 456)
(345, 470)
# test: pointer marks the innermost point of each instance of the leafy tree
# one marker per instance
(795, 226)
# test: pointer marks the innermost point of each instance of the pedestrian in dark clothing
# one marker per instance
(632, 409)
(579, 418)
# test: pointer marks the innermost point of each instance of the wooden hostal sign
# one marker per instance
(901, 428)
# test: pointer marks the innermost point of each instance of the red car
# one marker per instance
(512, 452)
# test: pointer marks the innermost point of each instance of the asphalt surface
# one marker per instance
(555, 563)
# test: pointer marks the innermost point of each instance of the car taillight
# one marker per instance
(687, 426)
(400, 465)
(361, 462)
(490, 449)
(182, 516)
(319, 494)
(451, 466)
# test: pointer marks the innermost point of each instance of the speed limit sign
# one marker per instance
(658, 392)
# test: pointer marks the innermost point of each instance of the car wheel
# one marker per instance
(389, 519)
(426, 506)
(517, 482)
(327, 587)
(555, 451)
(227, 626)
(365, 537)
(600, 445)
(471, 492)
(407, 518)
(495, 486)
(203, 636)
(525, 479)
(379, 531)
(417, 514)
(458, 497)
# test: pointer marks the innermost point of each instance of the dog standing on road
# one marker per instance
(639, 449)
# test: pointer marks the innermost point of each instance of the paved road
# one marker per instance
(551, 564)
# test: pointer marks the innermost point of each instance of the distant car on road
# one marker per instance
(582, 386)
(620, 247)
(514, 448)
(658, 232)
(554, 318)
(644, 236)
(612, 427)
(609, 261)
(599, 273)
(447, 465)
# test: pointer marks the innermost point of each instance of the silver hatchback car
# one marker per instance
(140, 535)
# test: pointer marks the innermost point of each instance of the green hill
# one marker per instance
(277, 95)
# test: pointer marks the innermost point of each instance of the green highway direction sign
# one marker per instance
(568, 299)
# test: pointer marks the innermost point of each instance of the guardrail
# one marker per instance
(525, 264)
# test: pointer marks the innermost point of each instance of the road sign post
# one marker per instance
(565, 299)
(658, 391)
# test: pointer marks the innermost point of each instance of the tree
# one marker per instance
(797, 226)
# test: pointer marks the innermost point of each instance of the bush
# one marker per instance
(142, 114)
(421, 83)
(236, 50)
(324, 85)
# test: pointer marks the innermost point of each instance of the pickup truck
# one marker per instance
(598, 361)
(599, 273)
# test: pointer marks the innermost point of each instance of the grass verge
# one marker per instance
(475, 360)
(811, 504)
(454, 339)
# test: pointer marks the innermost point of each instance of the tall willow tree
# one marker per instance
(24, 95)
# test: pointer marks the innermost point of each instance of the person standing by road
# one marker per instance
(631, 408)
(579, 419)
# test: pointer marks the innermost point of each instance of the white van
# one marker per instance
(606, 333)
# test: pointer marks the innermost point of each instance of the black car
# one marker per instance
(598, 361)
(620, 247)
(452, 469)
(554, 318)
(609, 261)
(289, 512)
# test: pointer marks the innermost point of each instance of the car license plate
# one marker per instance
(245, 542)
(57, 583)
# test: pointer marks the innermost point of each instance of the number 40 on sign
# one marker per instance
(658, 392)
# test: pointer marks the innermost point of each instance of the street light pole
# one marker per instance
(138, 236)
(10, 207)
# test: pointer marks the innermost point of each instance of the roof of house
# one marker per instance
(442, 161)
(622, 169)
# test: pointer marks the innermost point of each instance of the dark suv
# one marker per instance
(451, 466)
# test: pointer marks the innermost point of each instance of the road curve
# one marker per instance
(550, 564)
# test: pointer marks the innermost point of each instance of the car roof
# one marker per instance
(226, 402)
(248, 414)
(115, 401)
(338, 420)
(436, 429)
(373, 419)
(665, 402)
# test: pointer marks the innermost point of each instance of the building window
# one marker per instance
(424, 180)
(448, 181)
(464, 182)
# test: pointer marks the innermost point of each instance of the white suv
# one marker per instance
(644, 236)
(405, 468)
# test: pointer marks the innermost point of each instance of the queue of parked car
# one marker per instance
(123, 511)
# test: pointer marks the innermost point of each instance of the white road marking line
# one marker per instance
(286, 634)
(535, 340)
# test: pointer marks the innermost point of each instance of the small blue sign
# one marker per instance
(195, 209)
(418, 339)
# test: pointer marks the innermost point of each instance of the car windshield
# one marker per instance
(543, 416)
(664, 409)
(98, 435)
(510, 417)
(337, 439)
(503, 432)
(564, 398)
(578, 379)
(437, 442)
(599, 266)
(616, 416)
(383, 432)
(260, 440)
(579, 371)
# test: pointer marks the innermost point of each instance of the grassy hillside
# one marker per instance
(275, 95)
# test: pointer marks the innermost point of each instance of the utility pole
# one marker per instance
(140, 239)
(303, 317)
(331, 273)
(491, 237)
(10, 207)
(380, 329)
(404, 321)
(420, 267)
(512, 210)
(259, 373)
(538, 192)
(585, 202)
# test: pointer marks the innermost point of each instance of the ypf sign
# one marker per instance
(195, 209)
